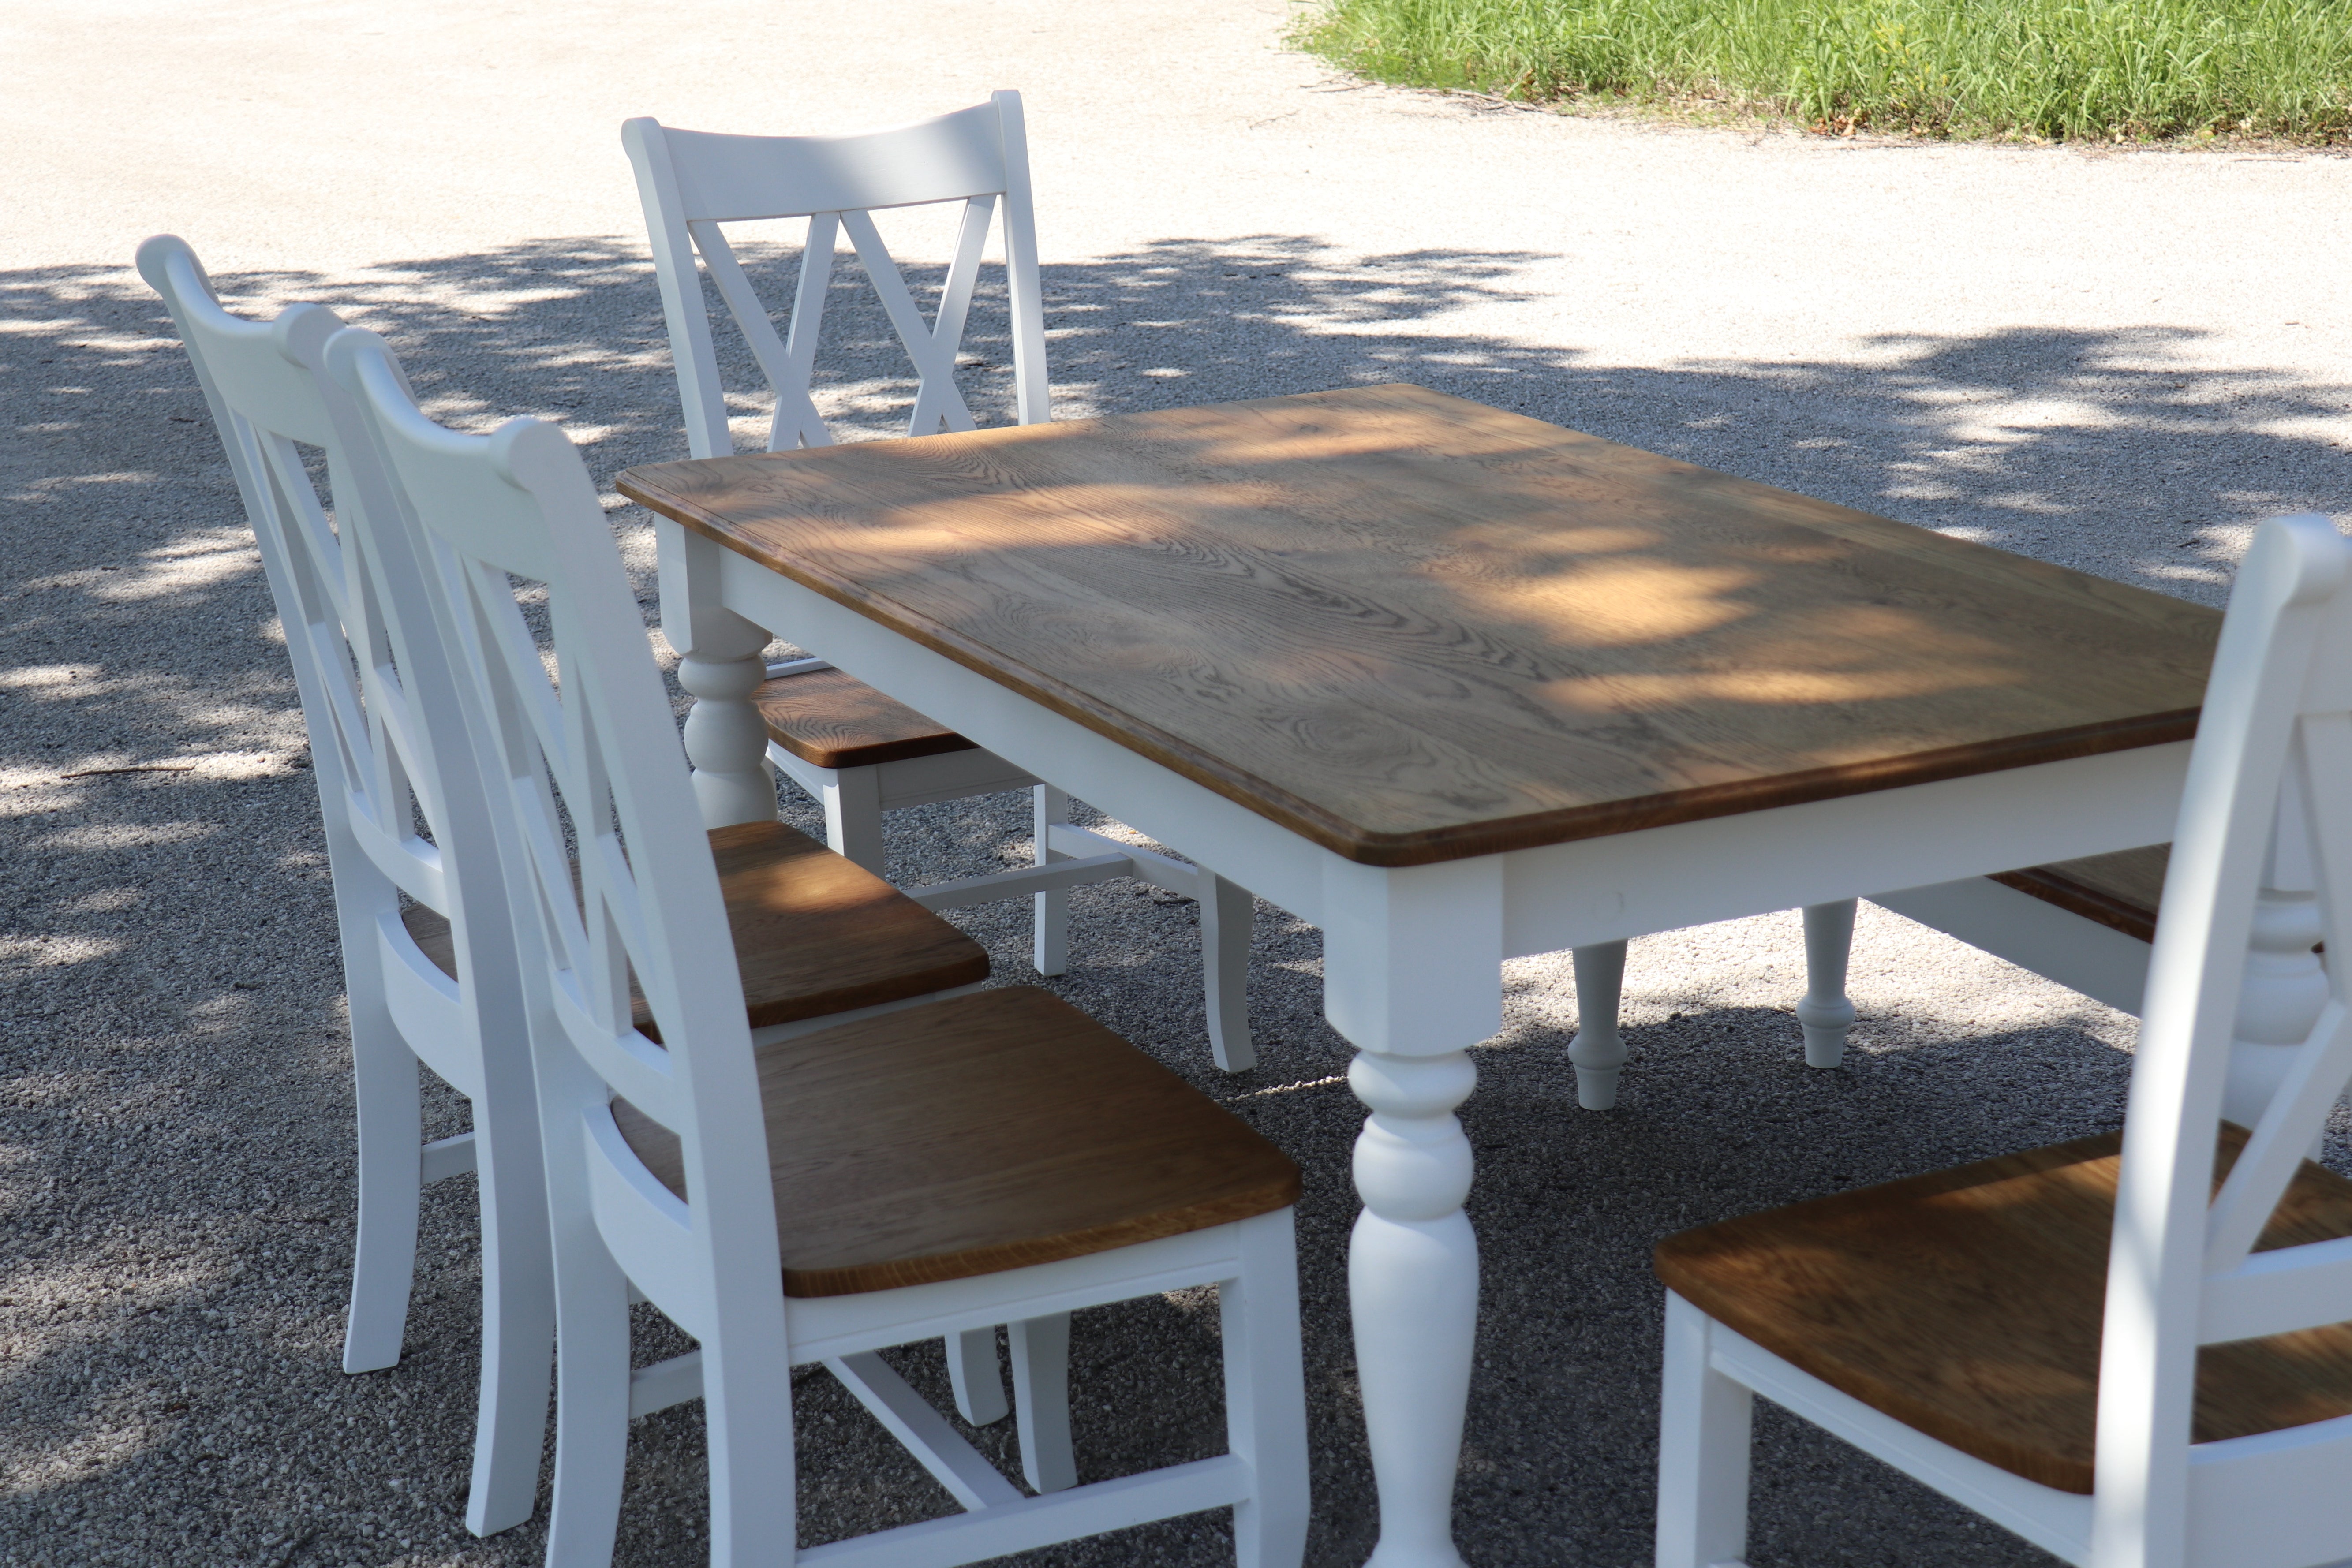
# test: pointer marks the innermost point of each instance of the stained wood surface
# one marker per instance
(1967, 1304)
(1413, 628)
(831, 719)
(2120, 890)
(814, 933)
(987, 1132)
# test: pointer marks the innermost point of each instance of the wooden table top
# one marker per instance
(1413, 628)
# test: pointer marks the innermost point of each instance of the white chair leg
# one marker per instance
(977, 1378)
(1703, 1427)
(1041, 1393)
(592, 1402)
(1266, 1393)
(1227, 915)
(852, 798)
(1597, 1051)
(390, 1136)
(1825, 1011)
(1050, 945)
(518, 1322)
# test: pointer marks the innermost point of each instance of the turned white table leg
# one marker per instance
(1412, 975)
(1597, 1051)
(720, 665)
(1824, 1010)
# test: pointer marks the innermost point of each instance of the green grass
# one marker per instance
(2102, 69)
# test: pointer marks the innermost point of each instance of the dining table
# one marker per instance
(1456, 685)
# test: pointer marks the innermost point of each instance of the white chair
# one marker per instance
(2099, 1346)
(461, 1015)
(857, 752)
(436, 980)
(883, 1175)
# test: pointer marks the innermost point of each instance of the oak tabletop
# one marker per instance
(1413, 628)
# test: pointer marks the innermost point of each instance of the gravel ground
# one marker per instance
(2114, 359)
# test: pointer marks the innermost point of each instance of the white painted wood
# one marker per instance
(1036, 1522)
(1597, 1051)
(2059, 1523)
(2082, 954)
(445, 1157)
(1060, 876)
(852, 801)
(975, 1377)
(597, 754)
(923, 1432)
(2232, 979)
(1049, 950)
(693, 182)
(1704, 1422)
(1228, 919)
(664, 1383)
(1265, 1401)
(1410, 960)
(381, 764)
(1041, 1400)
(1824, 1010)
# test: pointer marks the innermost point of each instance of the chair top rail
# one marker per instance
(733, 179)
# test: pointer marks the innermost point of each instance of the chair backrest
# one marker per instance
(606, 856)
(691, 182)
(2270, 781)
(379, 776)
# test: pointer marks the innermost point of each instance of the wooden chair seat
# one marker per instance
(814, 933)
(2119, 891)
(982, 1133)
(828, 719)
(1967, 1304)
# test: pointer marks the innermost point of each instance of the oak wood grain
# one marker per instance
(2120, 890)
(814, 933)
(986, 1132)
(1413, 628)
(831, 719)
(1967, 1304)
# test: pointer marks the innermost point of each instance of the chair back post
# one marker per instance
(1033, 393)
(371, 751)
(692, 352)
(304, 598)
(596, 749)
(692, 181)
(2279, 700)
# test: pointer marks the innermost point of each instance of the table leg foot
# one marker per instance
(1597, 1051)
(1825, 1011)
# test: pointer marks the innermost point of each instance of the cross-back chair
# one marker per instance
(843, 1185)
(2135, 1351)
(860, 754)
(428, 957)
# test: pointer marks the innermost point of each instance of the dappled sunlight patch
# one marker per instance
(105, 901)
(229, 1009)
(190, 562)
(47, 677)
(101, 837)
(21, 958)
(63, 1309)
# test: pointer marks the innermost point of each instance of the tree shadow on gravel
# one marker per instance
(176, 1119)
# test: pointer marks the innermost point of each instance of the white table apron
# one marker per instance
(1411, 955)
